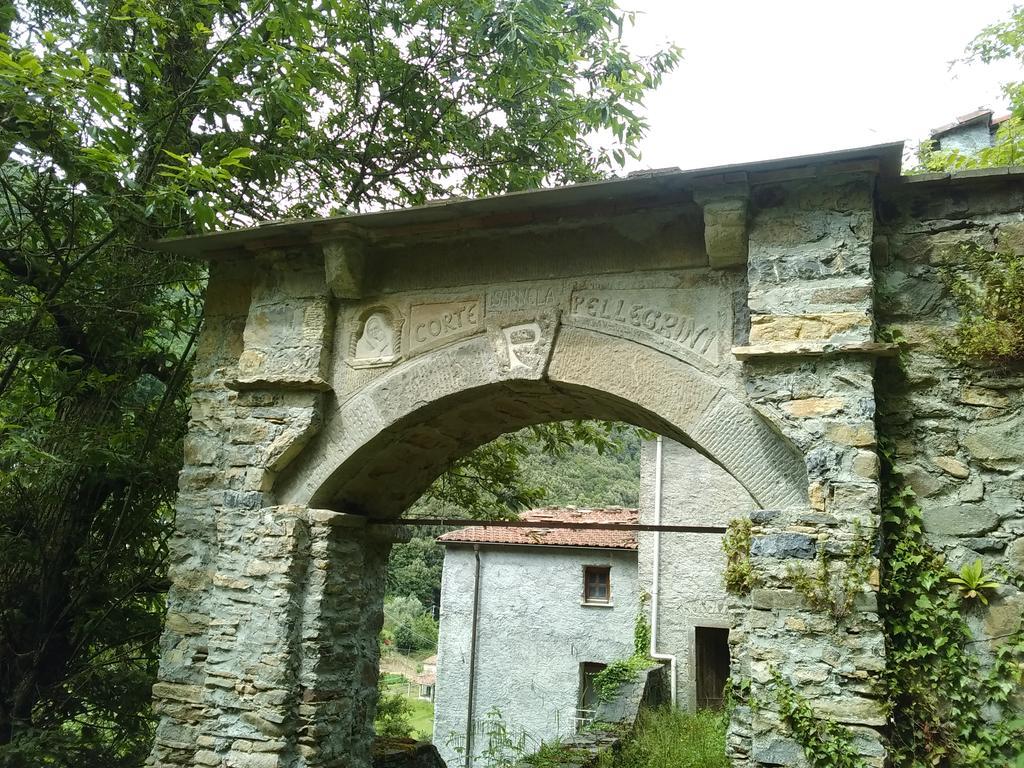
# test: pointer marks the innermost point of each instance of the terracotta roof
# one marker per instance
(971, 117)
(555, 537)
(978, 115)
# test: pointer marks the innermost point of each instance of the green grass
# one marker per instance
(669, 737)
(421, 713)
(554, 755)
(422, 719)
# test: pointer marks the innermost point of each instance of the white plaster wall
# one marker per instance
(968, 139)
(533, 635)
(695, 491)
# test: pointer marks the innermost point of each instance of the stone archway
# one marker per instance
(344, 363)
(419, 416)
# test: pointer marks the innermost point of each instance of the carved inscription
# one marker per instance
(666, 323)
(511, 299)
(522, 341)
(433, 324)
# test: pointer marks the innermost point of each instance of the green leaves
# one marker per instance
(946, 708)
(973, 583)
(740, 578)
(988, 289)
(124, 123)
(826, 743)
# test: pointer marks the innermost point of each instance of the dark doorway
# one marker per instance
(588, 694)
(712, 658)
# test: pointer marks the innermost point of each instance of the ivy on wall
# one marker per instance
(825, 743)
(946, 708)
(739, 572)
(608, 681)
(988, 290)
(833, 588)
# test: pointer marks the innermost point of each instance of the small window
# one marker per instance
(596, 584)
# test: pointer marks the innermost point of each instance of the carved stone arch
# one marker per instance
(382, 446)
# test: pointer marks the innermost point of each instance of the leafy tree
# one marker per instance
(996, 42)
(393, 713)
(129, 121)
(409, 625)
(414, 568)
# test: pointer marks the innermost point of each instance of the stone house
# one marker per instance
(426, 678)
(556, 605)
(969, 133)
(528, 615)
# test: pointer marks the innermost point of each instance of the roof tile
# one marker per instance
(555, 537)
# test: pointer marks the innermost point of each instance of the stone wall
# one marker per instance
(957, 431)
(533, 634)
(344, 364)
(615, 721)
(810, 373)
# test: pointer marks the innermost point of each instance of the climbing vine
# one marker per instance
(739, 572)
(825, 743)
(988, 290)
(608, 680)
(946, 709)
(833, 589)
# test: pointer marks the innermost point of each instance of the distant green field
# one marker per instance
(422, 719)
(422, 715)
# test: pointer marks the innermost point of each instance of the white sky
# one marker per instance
(788, 77)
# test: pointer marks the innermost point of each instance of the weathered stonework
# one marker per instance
(957, 432)
(344, 364)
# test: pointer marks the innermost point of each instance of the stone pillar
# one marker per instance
(809, 371)
(343, 615)
(210, 480)
(251, 672)
(229, 670)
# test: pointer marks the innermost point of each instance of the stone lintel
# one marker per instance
(395, 534)
(307, 383)
(725, 223)
(815, 349)
(344, 266)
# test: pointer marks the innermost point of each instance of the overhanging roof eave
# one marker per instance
(652, 184)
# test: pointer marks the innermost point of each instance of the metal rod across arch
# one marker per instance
(470, 522)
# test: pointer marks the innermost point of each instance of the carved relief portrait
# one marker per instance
(376, 341)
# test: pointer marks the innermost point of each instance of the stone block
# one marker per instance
(961, 520)
(838, 326)
(192, 694)
(1015, 555)
(813, 406)
(725, 232)
(773, 749)
(1003, 616)
(983, 396)
(856, 435)
(344, 266)
(953, 466)
(853, 710)
(1011, 238)
(999, 445)
(866, 465)
(783, 545)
